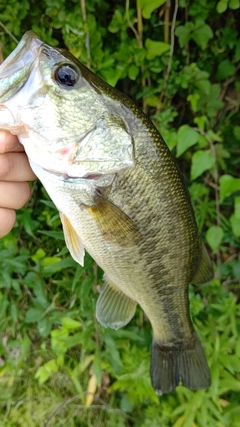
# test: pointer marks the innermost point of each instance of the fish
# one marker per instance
(121, 197)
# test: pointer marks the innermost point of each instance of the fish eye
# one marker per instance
(66, 75)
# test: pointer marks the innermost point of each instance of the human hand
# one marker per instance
(15, 172)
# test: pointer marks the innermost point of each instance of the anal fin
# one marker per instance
(114, 308)
(72, 240)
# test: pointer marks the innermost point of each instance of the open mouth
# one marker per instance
(92, 176)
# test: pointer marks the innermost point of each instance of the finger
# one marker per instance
(15, 167)
(9, 142)
(7, 221)
(14, 194)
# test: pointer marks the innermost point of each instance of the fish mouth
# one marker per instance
(15, 70)
(23, 54)
(94, 179)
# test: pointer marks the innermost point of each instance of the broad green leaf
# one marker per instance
(229, 382)
(45, 371)
(222, 6)
(184, 33)
(200, 121)
(60, 265)
(225, 69)
(39, 254)
(148, 6)
(234, 4)
(112, 75)
(193, 99)
(201, 162)
(202, 33)
(214, 136)
(187, 137)
(214, 237)
(155, 48)
(204, 86)
(70, 323)
(33, 315)
(133, 72)
(58, 341)
(152, 101)
(236, 132)
(235, 217)
(235, 223)
(228, 185)
(48, 261)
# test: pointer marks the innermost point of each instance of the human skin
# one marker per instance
(15, 174)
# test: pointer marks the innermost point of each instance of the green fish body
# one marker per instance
(120, 195)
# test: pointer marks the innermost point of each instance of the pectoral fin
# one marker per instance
(72, 240)
(114, 308)
(114, 225)
(205, 271)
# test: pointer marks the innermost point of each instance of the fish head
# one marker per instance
(56, 107)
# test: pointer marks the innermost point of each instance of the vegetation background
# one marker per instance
(179, 60)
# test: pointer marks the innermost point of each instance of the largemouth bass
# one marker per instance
(120, 196)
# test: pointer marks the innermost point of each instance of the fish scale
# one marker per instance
(121, 197)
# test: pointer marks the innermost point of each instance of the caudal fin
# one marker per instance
(172, 364)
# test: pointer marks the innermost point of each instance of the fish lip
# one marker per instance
(23, 54)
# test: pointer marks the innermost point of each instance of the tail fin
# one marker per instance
(172, 364)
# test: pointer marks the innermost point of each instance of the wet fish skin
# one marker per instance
(120, 195)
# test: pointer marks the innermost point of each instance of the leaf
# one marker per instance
(228, 185)
(33, 315)
(148, 6)
(225, 69)
(236, 132)
(70, 323)
(60, 265)
(44, 372)
(186, 137)
(201, 162)
(55, 234)
(155, 49)
(214, 237)
(58, 343)
(184, 33)
(91, 390)
(202, 33)
(133, 72)
(193, 99)
(235, 217)
(234, 4)
(222, 6)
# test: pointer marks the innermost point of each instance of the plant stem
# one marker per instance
(87, 40)
(169, 66)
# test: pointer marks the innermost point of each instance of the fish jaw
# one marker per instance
(14, 71)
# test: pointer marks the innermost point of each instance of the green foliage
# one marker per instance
(54, 356)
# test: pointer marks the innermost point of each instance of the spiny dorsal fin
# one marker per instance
(114, 308)
(72, 240)
(114, 225)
